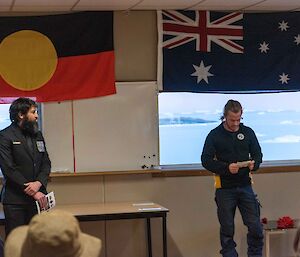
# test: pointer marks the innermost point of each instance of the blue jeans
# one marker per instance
(244, 198)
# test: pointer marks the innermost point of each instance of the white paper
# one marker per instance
(141, 204)
(151, 209)
(243, 164)
(50, 203)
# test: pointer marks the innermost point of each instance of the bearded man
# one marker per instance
(25, 165)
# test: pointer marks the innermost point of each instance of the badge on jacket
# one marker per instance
(240, 136)
(40, 146)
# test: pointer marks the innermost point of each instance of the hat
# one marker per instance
(49, 234)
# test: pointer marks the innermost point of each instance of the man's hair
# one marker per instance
(233, 106)
(21, 105)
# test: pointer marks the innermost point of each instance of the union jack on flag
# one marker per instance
(217, 52)
(203, 30)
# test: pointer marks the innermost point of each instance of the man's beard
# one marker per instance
(29, 127)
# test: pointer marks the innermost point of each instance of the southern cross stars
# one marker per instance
(284, 78)
(264, 47)
(202, 72)
(297, 39)
(283, 26)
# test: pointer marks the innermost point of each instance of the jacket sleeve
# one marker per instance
(209, 160)
(8, 167)
(255, 150)
(45, 167)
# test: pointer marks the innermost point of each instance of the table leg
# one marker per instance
(164, 225)
(149, 237)
(267, 244)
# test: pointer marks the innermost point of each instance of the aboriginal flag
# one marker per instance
(57, 57)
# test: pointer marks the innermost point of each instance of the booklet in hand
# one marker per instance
(243, 164)
(50, 203)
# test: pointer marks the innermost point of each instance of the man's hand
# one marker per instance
(251, 165)
(32, 187)
(40, 197)
(233, 168)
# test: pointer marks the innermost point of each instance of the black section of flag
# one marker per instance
(71, 34)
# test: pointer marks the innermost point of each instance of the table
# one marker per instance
(118, 211)
(271, 229)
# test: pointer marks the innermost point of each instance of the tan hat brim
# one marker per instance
(14, 242)
(16, 246)
(91, 246)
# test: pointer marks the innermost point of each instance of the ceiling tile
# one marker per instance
(225, 5)
(4, 8)
(5, 2)
(279, 5)
(66, 5)
(166, 4)
(43, 5)
(5, 5)
(105, 4)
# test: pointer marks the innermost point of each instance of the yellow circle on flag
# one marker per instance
(28, 59)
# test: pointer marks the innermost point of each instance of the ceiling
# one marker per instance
(127, 5)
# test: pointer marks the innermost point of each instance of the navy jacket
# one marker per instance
(223, 147)
(20, 165)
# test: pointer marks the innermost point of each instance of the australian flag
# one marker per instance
(205, 51)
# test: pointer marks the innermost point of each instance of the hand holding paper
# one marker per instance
(47, 203)
(245, 164)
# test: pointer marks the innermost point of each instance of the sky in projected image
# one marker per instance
(186, 118)
(4, 115)
(214, 103)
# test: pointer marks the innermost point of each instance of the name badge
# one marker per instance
(16, 142)
(40, 146)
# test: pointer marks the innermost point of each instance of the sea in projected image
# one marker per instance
(182, 134)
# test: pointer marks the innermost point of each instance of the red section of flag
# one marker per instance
(76, 77)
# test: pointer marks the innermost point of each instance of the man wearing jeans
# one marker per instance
(231, 151)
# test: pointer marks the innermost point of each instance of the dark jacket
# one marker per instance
(21, 165)
(223, 147)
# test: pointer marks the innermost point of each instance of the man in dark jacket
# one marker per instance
(24, 163)
(231, 151)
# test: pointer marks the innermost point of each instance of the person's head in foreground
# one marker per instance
(51, 234)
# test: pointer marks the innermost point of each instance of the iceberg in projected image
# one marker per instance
(183, 120)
